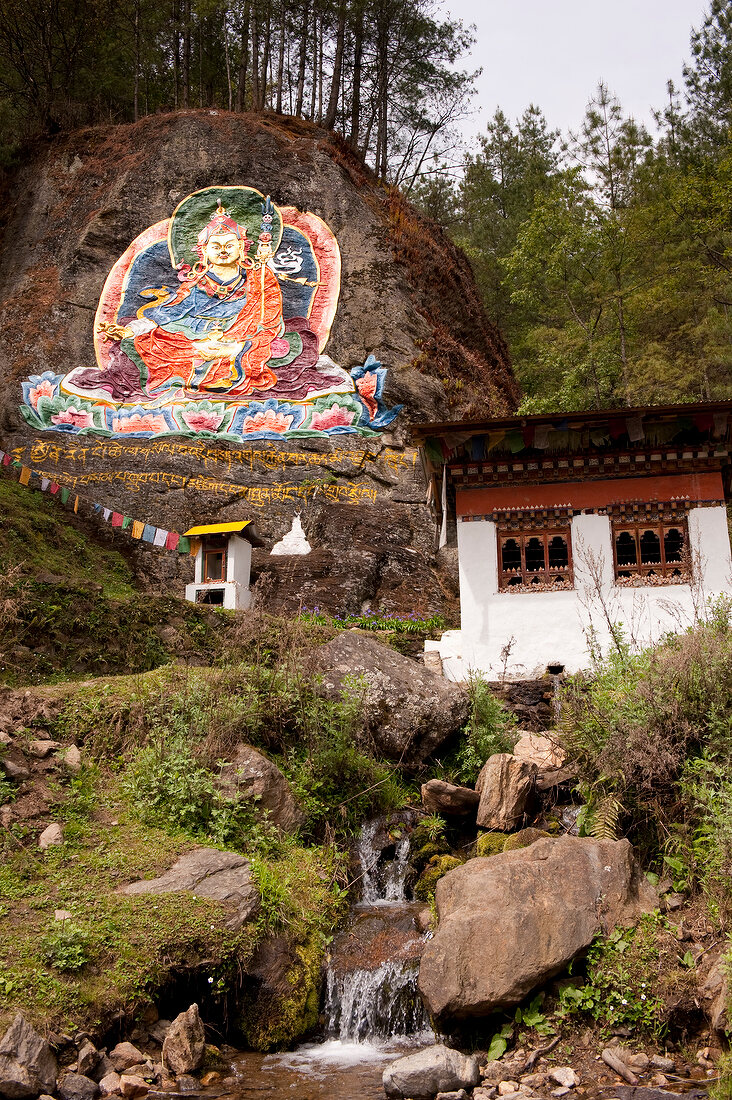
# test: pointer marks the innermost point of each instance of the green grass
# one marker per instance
(35, 533)
(121, 949)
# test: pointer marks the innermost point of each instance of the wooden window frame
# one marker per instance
(651, 573)
(548, 579)
(210, 547)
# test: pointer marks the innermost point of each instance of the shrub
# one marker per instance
(168, 786)
(66, 948)
(490, 729)
(652, 735)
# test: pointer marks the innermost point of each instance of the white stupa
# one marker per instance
(294, 541)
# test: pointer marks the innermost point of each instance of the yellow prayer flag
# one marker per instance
(76, 504)
(24, 475)
(137, 528)
(195, 547)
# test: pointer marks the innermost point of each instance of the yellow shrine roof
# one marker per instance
(243, 527)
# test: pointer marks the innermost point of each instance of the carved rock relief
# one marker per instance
(214, 323)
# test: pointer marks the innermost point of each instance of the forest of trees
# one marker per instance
(382, 72)
(605, 256)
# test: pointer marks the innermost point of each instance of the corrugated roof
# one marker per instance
(218, 528)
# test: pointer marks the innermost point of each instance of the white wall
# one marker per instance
(542, 628)
(237, 595)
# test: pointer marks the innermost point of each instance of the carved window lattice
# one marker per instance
(534, 560)
(650, 552)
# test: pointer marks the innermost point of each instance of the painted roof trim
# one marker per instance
(422, 430)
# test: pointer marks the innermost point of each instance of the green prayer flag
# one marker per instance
(184, 546)
(126, 522)
(65, 494)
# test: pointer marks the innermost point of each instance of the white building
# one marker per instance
(578, 531)
(223, 564)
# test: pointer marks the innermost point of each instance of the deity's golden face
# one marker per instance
(222, 250)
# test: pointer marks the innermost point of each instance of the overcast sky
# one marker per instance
(554, 52)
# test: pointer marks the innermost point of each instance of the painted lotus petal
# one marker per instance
(333, 417)
(268, 421)
(366, 386)
(138, 423)
(202, 420)
(43, 389)
(78, 418)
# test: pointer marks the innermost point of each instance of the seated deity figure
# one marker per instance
(214, 334)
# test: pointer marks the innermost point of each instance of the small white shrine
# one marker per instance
(294, 542)
(223, 564)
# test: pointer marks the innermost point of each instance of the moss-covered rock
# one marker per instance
(489, 844)
(523, 838)
(435, 869)
(285, 1005)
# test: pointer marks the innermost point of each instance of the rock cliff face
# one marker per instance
(407, 298)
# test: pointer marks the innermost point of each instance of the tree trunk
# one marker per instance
(243, 60)
(315, 66)
(281, 60)
(255, 58)
(332, 111)
(186, 66)
(137, 59)
(303, 57)
(357, 62)
(263, 83)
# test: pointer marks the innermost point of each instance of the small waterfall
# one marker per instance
(383, 869)
(373, 1005)
(371, 993)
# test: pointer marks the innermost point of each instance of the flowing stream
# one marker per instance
(373, 1011)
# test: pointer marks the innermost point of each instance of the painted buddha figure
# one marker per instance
(214, 334)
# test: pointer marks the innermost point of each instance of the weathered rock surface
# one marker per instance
(222, 876)
(185, 1043)
(715, 992)
(407, 295)
(440, 797)
(409, 712)
(53, 834)
(505, 785)
(132, 1086)
(435, 1069)
(125, 1055)
(75, 1086)
(87, 1058)
(510, 922)
(27, 1064)
(251, 774)
(537, 748)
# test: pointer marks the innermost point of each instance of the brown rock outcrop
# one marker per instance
(407, 710)
(185, 1044)
(407, 295)
(27, 1065)
(222, 876)
(508, 923)
(505, 785)
(253, 775)
(440, 797)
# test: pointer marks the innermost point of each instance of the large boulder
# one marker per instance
(435, 1069)
(510, 922)
(505, 785)
(253, 775)
(208, 873)
(185, 1044)
(441, 797)
(407, 710)
(27, 1064)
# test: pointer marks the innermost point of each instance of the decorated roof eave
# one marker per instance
(430, 429)
(453, 434)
